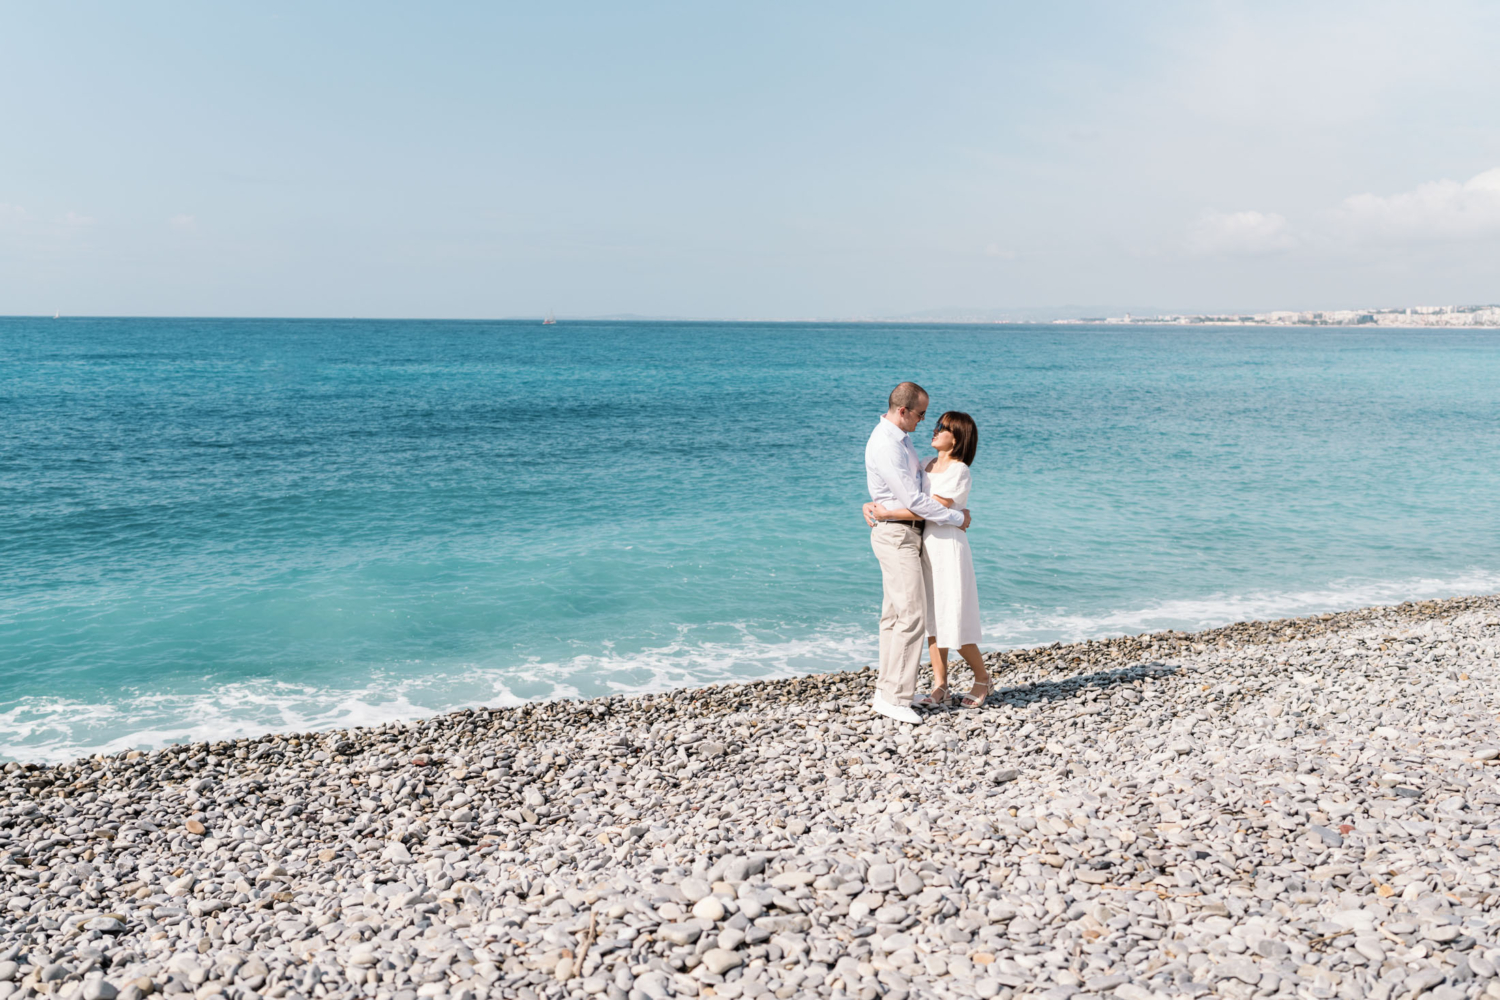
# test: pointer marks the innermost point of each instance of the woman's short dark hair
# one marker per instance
(965, 435)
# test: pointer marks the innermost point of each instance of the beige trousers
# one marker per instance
(903, 611)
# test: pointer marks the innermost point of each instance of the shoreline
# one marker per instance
(1164, 814)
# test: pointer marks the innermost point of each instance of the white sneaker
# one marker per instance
(901, 713)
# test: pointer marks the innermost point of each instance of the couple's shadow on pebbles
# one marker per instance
(1078, 686)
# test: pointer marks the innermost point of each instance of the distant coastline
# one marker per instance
(1412, 316)
(1473, 316)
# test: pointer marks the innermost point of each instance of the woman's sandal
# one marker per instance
(932, 699)
(971, 701)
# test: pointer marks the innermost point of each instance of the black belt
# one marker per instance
(910, 524)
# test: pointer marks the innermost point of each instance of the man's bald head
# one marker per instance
(907, 406)
(908, 396)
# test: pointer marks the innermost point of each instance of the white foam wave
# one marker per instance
(1026, 627)
(56, 728)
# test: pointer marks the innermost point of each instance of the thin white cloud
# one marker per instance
(185, 223)
(74, 219)
(1296, 67)
(1239, 233)
(1439, 210)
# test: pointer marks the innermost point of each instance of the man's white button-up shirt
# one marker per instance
(896, 478)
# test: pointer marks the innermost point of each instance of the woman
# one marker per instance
(947, 566)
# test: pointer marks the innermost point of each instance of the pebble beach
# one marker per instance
(1296, 808)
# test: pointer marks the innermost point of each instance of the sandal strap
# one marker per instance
(931, 698)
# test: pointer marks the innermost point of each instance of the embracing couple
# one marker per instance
(917, 519)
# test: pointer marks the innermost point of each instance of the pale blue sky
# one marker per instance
(737, 161)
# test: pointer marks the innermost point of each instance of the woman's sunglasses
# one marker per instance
(940, 428)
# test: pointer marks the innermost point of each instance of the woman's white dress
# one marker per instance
(948, 568)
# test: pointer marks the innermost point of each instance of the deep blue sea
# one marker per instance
(213, 527)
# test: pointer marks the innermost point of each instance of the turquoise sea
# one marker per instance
(214, 527)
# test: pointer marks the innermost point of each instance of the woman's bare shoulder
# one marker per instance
(930, 463)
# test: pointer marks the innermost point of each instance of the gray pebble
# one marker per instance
(679, 933)
(720, 960)
(695, 889)
(99, 988)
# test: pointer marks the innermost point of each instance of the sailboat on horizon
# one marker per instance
(550, 320)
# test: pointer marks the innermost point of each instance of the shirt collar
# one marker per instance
(889, 427)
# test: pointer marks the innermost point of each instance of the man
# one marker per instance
(896, 479)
